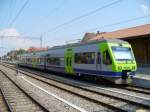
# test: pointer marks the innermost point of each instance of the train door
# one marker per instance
(106, 61)
(34, 60)
(105, 57)
(69, 61)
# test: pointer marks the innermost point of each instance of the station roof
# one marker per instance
(122, 34)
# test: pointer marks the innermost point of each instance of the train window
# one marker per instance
(85, 58)
(53, 60)
(29, 60)
(40, 60)
(106, 58)
(62, 61)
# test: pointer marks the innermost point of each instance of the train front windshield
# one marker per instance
(122, 53)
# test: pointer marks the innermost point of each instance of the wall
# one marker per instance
(141, 49)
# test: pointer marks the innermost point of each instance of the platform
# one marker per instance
(142, 80)
(144, 70)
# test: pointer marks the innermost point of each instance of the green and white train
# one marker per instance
(111, 59)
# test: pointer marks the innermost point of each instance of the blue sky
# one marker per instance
(40, 17)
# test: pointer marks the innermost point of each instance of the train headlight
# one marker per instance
(128, 73)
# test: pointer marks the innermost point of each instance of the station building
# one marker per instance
(138, 37)
(36, 49)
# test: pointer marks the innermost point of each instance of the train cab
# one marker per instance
(120, 59)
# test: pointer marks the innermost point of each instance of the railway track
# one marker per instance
(77, 91)
(108, 106)
(129, 87)
(16, 99)
(3, 104)
(138, 89)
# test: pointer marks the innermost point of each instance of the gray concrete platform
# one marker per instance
(142, 80)
(143, 70)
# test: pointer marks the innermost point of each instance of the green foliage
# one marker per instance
(21, 51)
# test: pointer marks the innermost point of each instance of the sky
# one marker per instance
(24, 22)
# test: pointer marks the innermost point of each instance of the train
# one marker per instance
(110, 59)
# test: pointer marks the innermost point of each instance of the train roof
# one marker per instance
(40, 53)
(91, 42)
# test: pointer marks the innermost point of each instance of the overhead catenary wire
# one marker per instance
(12, 2)
(3, 7)
(113, 24)
(83, 16)
(54, 10)
(20, 11)
(7, 16)
(19, 37)
(50, 13)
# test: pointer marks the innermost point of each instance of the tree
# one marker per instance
(21, 51)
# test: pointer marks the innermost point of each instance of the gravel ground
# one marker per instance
(17, 100)
(97, 87)
(51, 103)
(3, 107)
(93, 87)
(106, 90)
(117, 103)
(91, 107)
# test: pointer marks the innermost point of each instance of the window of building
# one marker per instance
(85, 58)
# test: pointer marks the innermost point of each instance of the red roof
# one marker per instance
(33, 49)
(124, 33)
